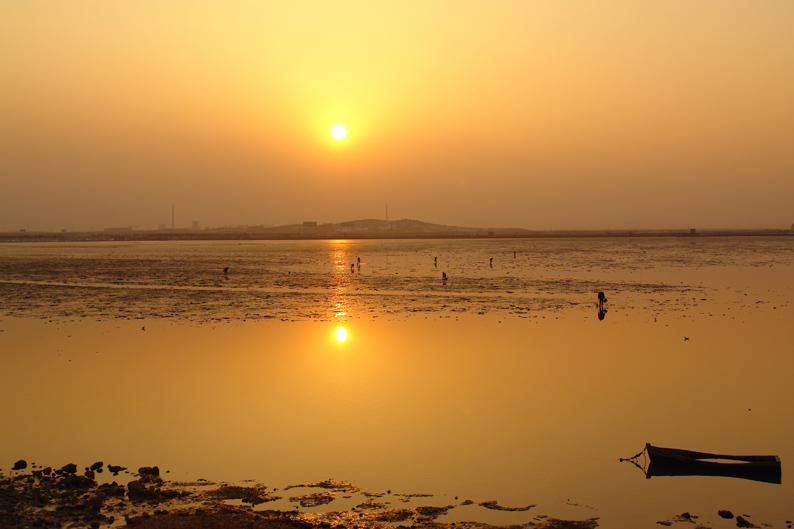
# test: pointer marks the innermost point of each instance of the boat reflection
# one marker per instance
(675, 462)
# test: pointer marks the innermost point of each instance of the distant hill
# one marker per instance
(376, 228)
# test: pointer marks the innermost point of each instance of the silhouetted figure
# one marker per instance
(601, 310)
(352, 267)
(435, 262)
(358, 260)
(444, 276)
(226, 271)
(491, 262)
(514, 255)
(601, 300)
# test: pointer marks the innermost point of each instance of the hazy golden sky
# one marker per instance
(534, 114)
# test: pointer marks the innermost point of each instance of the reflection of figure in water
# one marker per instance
(491, 262)
(226, 271)
(601, 310)
(352, 267)
(514, 255)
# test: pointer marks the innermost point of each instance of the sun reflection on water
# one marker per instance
(341, 279)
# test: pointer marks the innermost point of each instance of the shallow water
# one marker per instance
(499, 384)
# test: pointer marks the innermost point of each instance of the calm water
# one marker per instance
(500, 383)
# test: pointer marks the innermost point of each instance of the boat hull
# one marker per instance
(675, 462)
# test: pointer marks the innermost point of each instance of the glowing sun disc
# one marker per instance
(338, 132)
(341, 334)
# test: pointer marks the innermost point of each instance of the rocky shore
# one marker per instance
(34, 496)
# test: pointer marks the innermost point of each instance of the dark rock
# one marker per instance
(90, 474)
(97, 465)
(71, 468)
(728, 515)
(112, 489)
(47, 471)
(71, 481)
(149, 473)
(149, 490)
(742, 522)
(138, 490)
(116, 469)
(170, 494)
(20, 465)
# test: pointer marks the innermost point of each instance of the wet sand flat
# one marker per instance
(505, 387)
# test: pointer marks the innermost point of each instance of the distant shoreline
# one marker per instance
(247, 234)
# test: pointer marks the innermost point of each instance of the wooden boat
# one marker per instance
(675, 462)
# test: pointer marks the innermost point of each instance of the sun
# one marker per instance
(338, 132)
(341, 334)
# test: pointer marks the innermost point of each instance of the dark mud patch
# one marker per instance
(493, 505)
(254, 495)
(431, 513)
(330, 484)
(314, 500)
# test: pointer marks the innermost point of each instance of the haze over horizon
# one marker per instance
(564, 115)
